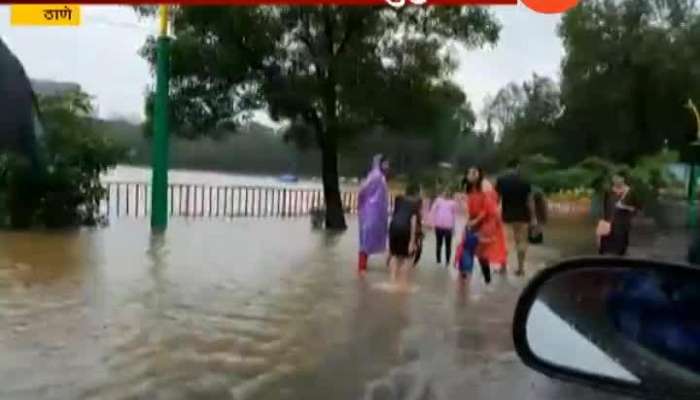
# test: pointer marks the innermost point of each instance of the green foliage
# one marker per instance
(434, 181)
(477, 148)
(630, 67)
(340, 71)
(648, 176)
(296, 60)
(537, 163)
(653, 169)
(258, 149)
(69, 191)
(566, 179)
(525, 117)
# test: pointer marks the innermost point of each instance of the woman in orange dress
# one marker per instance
(499, 263)
(485, 220)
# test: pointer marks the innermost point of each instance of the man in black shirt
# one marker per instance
(518, 208)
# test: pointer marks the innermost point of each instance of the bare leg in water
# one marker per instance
(462, 288)
(404, 265)
(393, 268)
(521, 262)
(362, 262)
(485, 269)
(398, 271)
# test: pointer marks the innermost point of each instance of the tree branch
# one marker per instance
(305, 35)
(351, 29)
(328, 28)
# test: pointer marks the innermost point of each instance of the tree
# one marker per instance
(503, 110)
(526, 116)
(70, 191)
(337, 70)
(628, 71)
(629, 68)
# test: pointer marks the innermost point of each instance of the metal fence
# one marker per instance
(133, 199)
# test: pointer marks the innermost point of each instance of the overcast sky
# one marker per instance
(102, 55)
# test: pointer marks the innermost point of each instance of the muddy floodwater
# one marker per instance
(254, 309)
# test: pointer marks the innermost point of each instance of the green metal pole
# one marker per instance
(159, 182)
(692, 198)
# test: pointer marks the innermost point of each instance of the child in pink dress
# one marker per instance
(443, 215)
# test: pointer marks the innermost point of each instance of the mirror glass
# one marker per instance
(632, 325)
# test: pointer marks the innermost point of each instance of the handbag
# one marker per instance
(603, 229)
(535, 235)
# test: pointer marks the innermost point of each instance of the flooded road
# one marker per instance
(253, 309)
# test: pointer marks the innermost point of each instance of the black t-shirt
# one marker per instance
(404, 209)
(515, 193)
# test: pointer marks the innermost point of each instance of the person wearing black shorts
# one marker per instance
(403, 230)
(518, 209)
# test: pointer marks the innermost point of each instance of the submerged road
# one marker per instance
(255, 309)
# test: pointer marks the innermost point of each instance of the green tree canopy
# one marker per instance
(75, 154)
(339, 71)
(525, 116)
(629, 69)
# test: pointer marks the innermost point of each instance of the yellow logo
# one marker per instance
(45, 15)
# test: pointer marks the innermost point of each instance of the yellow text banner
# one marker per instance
(45, 15)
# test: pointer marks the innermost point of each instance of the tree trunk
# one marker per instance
(335, 215)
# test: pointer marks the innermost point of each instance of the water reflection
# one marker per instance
(157, 253)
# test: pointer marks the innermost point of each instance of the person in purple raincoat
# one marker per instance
(373, 210)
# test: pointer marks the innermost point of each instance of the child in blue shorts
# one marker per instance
(464, 260)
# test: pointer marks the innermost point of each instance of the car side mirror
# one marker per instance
(622, 325)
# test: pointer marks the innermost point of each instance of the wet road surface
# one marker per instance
(254, 309)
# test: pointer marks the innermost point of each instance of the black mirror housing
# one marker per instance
(622, 325)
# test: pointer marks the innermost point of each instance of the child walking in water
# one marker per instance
(443, 215)
(466, 251)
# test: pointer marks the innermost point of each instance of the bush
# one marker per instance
(68, 191)
(648, 177)
(565, 179)
(572, 194)
(434, 181)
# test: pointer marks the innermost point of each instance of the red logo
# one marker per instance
(550, 6)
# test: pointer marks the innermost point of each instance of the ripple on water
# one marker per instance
(304, 328)
(200, 350)
(391, 287)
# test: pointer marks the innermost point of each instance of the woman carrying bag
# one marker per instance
(619, 207)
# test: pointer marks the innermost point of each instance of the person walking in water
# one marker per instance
(419, 229)
(518, 209)
(483, 220)
(499, 263)
(443, 214)
(404, 231)
(466, 251)
(373, 211)
(619, 207)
